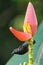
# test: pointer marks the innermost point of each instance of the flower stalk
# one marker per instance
(30, 52)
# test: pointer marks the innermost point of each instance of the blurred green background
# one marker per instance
(12, 12)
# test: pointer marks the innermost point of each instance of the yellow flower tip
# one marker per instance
(30, 3)
(10, 28)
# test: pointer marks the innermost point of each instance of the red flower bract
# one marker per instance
(30, 18)
(22, 36)
(30, 25)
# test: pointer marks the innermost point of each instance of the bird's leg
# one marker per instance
(30, 52)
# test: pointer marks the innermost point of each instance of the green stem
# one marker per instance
(30, 48)
(30, 54)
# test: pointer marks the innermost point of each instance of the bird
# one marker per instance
(22, 49)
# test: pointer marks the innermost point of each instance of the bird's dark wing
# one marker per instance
(22, 49)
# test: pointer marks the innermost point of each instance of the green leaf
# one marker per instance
(39, 39)
(41, 60)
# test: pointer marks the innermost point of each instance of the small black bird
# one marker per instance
(22, 49)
